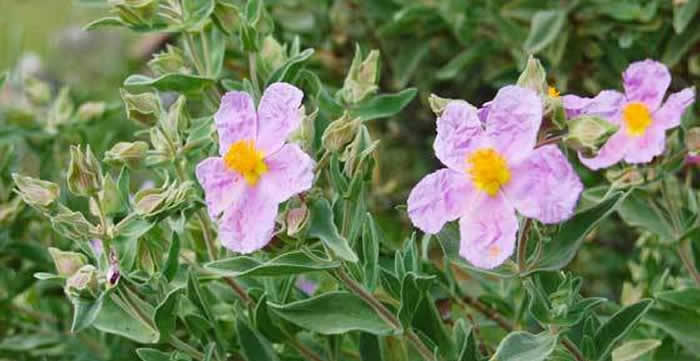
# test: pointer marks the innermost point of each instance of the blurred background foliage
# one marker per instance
(453, 48)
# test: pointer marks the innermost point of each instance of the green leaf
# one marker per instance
(562, 249)
(370, 349)
(3, 78)
(265, 324)
(520, 346)
(290, 68)
(461, 61)
(683, 14)
(151, 354)
(382, 106)
(680, 44)
(636, 212)
(104, 22)
(113, 319)
(466, 343)
(688, 299)
(28, 342)
(545, 27)
(615, 328)
(633, 350)
(182, 83)
(681, 324)
(85, 311)
(171, 263)
(333, 313)
(253, 345)
(371, 239)
(322, 226)
(286, 264)
(165, 315)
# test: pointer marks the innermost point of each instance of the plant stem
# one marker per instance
(186, 348)
(386, 315)
(252, 61)
(573, 350)
(522, 246)
(491, 314)
(685, 253)
(303, 350)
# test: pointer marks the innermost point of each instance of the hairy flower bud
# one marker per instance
(130, 154)
(60, 111)
(588, 133)
(83, 282)
(534, 76)
(72, 225)
(362, 77)
(627, 177)
(692, 141)
(36, 192)
(176, 121)
(226, 16)
(438, 104)
(340, 132)
(297, 218)
(272, 53)
(90, 111)
(84, 172)
(135, 12)
(172, 60)
(144, 108)
(110, 198)
(153, 201)
(67, 263)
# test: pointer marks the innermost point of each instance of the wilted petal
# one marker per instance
(514, 118)
(607, 105)
(643, 149)
(544, 186)
(235, 120)
(646, 81)
(289, 172)
(278, 115)
(669, 115)
(488, 232)
(247, 225)
(612, 152)
(438, 198)
(221, 185)
(458, 132)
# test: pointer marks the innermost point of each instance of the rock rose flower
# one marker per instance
(639, 113)
(256, 169)
(492, 170)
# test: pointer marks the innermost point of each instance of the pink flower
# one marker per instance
(492, 170)
(256, 170)
(639, 113)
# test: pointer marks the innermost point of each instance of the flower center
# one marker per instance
(243, 158)
(553, 92)
(489, 170)
(637, 118)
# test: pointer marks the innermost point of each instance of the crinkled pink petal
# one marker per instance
(487, 232)
(643, 149)
(235, 120)
(612, 152)
(248, 224)
(607, 105)
(514, 118)
(646, 81)
(458, 132)
(289, 172)
(544, 186)
(278, 116)
(438, 198)
(221, 185)
(669, 115)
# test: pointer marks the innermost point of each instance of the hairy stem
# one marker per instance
(685, 252)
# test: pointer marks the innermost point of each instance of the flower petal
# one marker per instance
(457, 131)
(278, 115)
(290, 171)
(643, 149)
(646, 81)
(669, 115)
(612, 152)
(514, 118)
(221, 185)
(487, 233)
(544, 186)
(248, 224)
(607, 105)
(438, 198)
(235, 120)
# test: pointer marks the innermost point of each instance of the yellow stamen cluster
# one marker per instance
(637, 118)
(245, 159)
(489, 170)
(553, 92)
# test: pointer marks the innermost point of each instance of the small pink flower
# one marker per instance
(493, 170)
(256, 170)
(639, 113)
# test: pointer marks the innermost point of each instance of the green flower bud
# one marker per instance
(67, 263)
(340, 132)
(73, 225)
(588, 133)
(36, 192)
(130, 154)
(362, 77)
(358, 155)
(163, 151)
(82, 283)
(153, 201)
(438, 104)
(627, 177)
(692, 141)
(84, 172)
(60, 111)
(176, 121)
(110, 198)
(297, 218)
(144, 108)
(90, 111)
(172, 60)
(135, 12)
(37, 91)
(534, 76)
(272, 53)
(227, 16)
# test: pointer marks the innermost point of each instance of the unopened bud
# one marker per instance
(226, 16)
(438, 104)
(72, 225)
(362, 77)
(37, 91)
(83, 282)
(627, 177)
(61, 110)
(130, 154)
(84, 172)
(297, 218)
(90, 111)
(164, 152)
(340, 132)
(176, 121)
(135, 12)
(144, 108)
(588, 133)
(272, 53)
(172, 60)
(692, 141)
(110, 198)
(67, 263)
(534, 76)
(36, 192)
(150, 202)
